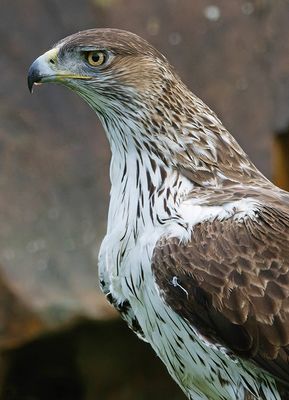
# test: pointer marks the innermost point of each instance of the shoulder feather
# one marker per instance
(231, 282)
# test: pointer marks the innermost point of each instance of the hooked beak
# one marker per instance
(44, 69)
(34, 76)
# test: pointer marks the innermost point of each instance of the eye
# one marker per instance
(96, 58)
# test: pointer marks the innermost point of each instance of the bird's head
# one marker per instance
(142, 103)
(109, 68)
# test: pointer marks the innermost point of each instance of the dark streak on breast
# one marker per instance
(137, 173)
(124, 172)
(163, 173)
(151, 212)
(153, 164)
(139, 154)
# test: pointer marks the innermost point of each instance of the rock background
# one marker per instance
(54, 156)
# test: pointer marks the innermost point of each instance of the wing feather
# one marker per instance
(236, 275)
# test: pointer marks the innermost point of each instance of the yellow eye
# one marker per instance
(96, 58)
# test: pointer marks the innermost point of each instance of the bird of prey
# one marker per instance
(196, 254)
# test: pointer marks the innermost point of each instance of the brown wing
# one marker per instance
(231, 281)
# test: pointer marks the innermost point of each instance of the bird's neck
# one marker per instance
(145, 189)
(183, 133)
(162, 152)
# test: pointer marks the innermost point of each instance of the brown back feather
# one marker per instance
(236, 274)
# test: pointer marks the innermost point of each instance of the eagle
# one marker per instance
(196, 254)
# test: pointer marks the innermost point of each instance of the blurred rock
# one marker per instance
(54, 162)
(17, 322)
(54, 157)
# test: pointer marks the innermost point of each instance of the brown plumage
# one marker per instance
(196, 256)
(236, 275)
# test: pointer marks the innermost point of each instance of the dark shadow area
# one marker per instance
(89, 361)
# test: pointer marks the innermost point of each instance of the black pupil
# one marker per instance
(95, 57)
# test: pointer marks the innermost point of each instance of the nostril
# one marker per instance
(51, 61)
